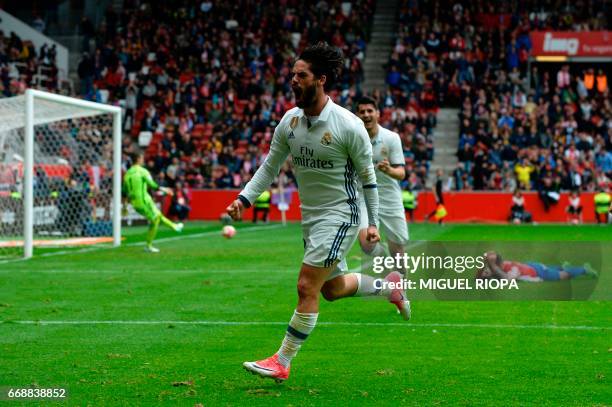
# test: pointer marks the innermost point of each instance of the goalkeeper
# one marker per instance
(136, 181)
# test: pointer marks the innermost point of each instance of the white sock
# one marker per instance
(300, 326)
(366, 288)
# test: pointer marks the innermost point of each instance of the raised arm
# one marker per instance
(264, 176)
(395, 165)
(148, 179)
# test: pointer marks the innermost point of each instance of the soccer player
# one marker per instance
(497, 268)
(136, 181)
(388, 158)
(330, 149)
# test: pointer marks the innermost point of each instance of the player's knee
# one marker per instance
(306, 288)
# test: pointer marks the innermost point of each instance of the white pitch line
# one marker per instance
(162, 240)
(277, 323)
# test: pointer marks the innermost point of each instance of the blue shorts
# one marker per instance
(546, 273)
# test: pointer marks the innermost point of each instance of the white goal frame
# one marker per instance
(28, 165)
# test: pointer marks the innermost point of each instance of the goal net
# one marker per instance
(59, 173)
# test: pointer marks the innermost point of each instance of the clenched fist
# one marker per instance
(372, 234)
(235, 209)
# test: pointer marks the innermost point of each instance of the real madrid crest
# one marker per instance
(326, 139)
(294, 122)
(383, 151)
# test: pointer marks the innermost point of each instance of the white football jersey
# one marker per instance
(388, 145)
(329, 155)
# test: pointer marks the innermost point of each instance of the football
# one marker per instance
(229, 231)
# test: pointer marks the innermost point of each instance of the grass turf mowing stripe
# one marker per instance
(142, 243)
(340, 323)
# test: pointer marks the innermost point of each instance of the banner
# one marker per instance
(571, 44)
(487, 207)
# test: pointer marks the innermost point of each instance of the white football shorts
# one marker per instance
(326, 244)
(393, 225)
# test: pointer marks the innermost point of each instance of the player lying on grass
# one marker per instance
(497, 268)
(136, 182)
(330, 150)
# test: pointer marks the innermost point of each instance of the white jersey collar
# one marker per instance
(377, 137)
(324, 115)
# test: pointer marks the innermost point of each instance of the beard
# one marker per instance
(306, 97)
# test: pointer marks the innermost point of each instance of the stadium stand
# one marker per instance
(21, 66)
(545, 130)
(209, 84)
(203, 90)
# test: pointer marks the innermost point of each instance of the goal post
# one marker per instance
(61, 157)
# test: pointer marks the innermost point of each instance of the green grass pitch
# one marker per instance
(206, 304)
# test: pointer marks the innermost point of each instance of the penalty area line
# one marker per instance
(279, 323)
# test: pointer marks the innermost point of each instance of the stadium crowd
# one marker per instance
(546, 130)
(206, 87)
(212, 81)
(210, 106)
(21, 65)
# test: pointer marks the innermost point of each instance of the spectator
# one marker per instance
(523, 173)
(86, 73)
(602, 82)
(179, 205)
(563, 77)
(518, 214)
(548, 191)
(574, 208)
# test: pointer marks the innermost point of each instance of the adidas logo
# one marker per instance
(291, 135)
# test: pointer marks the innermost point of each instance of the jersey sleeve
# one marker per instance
(360, 152)
(396, 152)
(264, 176)
(148, 179)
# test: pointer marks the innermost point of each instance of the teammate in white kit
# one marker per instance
(330, 149)
(388, 158)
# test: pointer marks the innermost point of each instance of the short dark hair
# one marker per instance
(324, 60)
(136, 155)
(367, 100)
